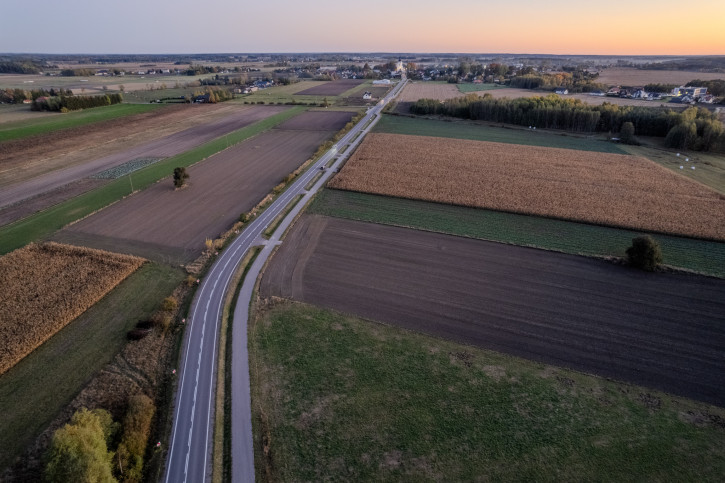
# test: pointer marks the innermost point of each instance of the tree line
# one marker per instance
(694, 128)
(73, 103)
(19, 67)
(17, 96)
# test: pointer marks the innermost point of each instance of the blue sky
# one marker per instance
(521, 26)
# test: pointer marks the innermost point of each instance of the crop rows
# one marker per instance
(125, 168)
(47, 286)
(598, 188)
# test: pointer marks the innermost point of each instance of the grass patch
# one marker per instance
(278, 219)
(466, 88)
(57, 122)
(46, 222)
(39, 386)
(351, 399)
(222, 464)
(313, 181)
(485, 132)
(709, 168)
(569, 237)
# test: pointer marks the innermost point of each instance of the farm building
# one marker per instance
(561, 91)
(689, 91)
(382, 82)
(367, 95)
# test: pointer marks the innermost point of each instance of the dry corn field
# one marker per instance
(44, 287)
(598, 188)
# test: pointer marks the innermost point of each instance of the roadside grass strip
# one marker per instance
(486, 132)
(336, 395)
(701, 256)
(57, 122)
(278, 219)
(43, 224)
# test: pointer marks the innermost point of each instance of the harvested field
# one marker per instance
(318, 121)
(26, 174)
(27, 207)
(641, 77)
(663, 331)
(428, 90)
(599, 188)
(331, 88)
(171, 226)
(47, 286)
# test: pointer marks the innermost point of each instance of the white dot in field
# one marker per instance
(693, 167)
(681, 167)
(687, 159)
(678, 154)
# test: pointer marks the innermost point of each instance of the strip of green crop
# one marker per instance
(707, 257)
(57, 122)
(46, 222)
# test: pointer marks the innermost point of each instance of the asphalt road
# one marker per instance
(190, 447)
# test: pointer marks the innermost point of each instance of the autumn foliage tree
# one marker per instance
(180, 177)
(79, 450)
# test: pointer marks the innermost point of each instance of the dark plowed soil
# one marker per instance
(664, 331)
(219, 190)
(318, 121)
(331, 88)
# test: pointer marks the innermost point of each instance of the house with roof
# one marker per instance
(562, 91)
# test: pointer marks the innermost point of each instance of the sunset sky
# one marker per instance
(645, 27)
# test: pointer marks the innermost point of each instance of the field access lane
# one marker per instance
(664, 331)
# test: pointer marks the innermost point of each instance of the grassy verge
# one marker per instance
(709, 167)
(578, 238)
(278, 219)
(46, 222)
(222, 465)
(313, 181)
(485, 132)
(349, 399)
(23, 129)
(38, 387)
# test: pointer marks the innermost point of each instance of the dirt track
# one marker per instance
(663, 331)
(331, 88)
(168, 225)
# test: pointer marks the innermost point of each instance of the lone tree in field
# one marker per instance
(626, 134)
(644, 253)
(180, 177)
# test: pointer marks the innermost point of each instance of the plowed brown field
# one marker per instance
(665, 331)
(426, 90)
(44, 287)
(331, 88)
(599, 188)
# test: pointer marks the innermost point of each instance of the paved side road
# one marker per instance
(189, 454)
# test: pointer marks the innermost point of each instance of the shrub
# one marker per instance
(644, 253)
(136, 430)
(180, 177)
(137, 334)
(169, 304)
(162, 320)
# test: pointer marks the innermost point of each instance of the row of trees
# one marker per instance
(73, 103)
(17, 96)
(578, 81)
(19, 67)
(82, 450)
(693, 128)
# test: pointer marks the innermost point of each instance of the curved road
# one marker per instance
(189, 456)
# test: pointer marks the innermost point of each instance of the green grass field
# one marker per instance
(701, 256)
(56, 122)
(466, 88)
(46, 222)
(38, 387)
(486, 132)
(340, 398)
